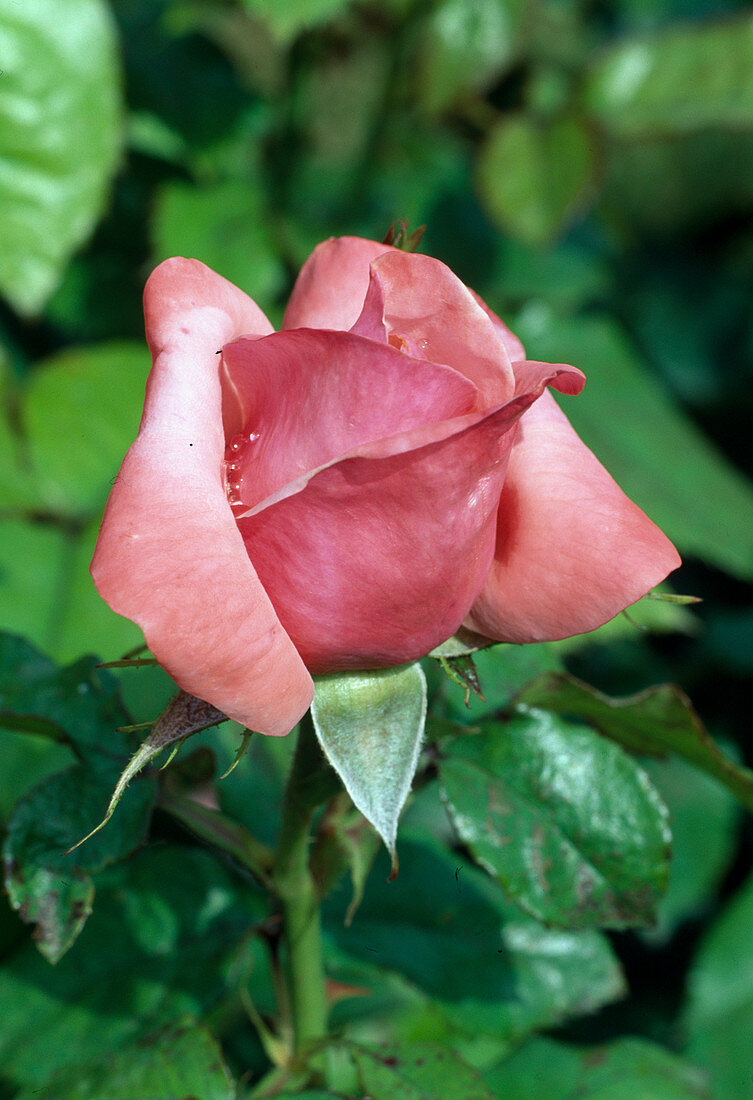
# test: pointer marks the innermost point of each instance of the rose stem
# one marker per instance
(296, 889)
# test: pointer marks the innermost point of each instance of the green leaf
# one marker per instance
(370, 726)
(448, 929)
(153, 136)
(225, 225)
(152, 951)
(59, 138)
(56, 901)
(51, 889)
(720, 165)
(287, 20)
(47, 594)
(17, 488)
(465, 46)
(33, 557)
(542, 1069)
(78, 705)
(82, 622)
(533, 177)
(436, 910)
(417, 1071)
(719, 1015)
(308, 1094)
(25, 760)
(337, 109)
(179, 1060)
(215, 828)
(673, 83)
(420, 166)
(702, 502)
(92, 398)
(565, 820)
(705, 820)
(547, 1070)
(655, 721)
(565, 276)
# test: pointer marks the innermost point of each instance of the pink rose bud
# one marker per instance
(348, 492)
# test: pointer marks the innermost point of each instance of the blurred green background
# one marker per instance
(586, 166)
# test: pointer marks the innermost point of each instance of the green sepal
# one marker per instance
(673, 597)
(462, 671)
(183, 716)
(370, 726)
(461, 644)
(344, 840)
(241, 751)
(401, 237)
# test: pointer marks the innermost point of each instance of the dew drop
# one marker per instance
(236, 460)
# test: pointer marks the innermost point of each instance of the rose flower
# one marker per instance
(346, 493)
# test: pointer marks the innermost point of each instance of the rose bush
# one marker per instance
(349, 491)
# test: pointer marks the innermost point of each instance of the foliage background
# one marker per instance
(588, 168)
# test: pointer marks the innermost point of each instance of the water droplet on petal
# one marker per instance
(237, 458)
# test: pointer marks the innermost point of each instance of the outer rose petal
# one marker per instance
(332, 284)
(169, 554)
(514, 347)
(375, 559)
(572, 549)
(418, 301)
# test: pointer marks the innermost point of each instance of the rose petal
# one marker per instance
(332, 284)
(331, 287)
(560, 376)
(306, 398)
(375, 559)
(169, 554)
(514, 347)
(572, 549)
(418, 301)
(178, 286)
